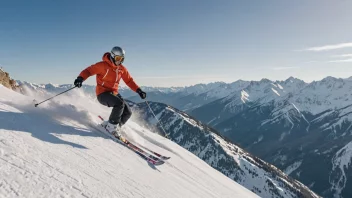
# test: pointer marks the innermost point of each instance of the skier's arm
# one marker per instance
(90, 71)
(127, 78)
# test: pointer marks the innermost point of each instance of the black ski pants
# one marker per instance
(121, 111)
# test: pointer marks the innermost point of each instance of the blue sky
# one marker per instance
(178, 43)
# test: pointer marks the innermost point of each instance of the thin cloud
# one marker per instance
(329, 47)
(343, 56)
(341, 61)
(310, 62)
(283, 68)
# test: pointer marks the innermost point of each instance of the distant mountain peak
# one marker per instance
(292, 79)
(349, 78)
(329, 78)
(265, 80)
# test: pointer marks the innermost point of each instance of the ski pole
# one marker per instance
(165, 134)
(54, 96)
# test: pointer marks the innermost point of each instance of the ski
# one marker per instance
(143, 154)
(162, 157)
(157, 154)
(138, 149)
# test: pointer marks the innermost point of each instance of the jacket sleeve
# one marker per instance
(129, 80)
(91, 70)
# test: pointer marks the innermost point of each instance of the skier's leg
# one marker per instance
(111, 100)
(126, 114)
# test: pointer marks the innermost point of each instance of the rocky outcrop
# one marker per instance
(7, 81)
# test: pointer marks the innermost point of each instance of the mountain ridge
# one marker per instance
(228, 158)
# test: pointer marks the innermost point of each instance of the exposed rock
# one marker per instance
(7, 81)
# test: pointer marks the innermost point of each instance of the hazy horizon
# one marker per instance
(124, 85)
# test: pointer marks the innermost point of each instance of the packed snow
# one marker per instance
(51, 151)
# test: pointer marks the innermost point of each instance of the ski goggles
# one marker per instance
(118, 58)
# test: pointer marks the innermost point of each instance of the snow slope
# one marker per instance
(50, 151)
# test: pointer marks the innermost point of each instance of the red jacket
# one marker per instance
(108, 75)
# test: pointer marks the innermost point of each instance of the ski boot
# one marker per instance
(114, 129)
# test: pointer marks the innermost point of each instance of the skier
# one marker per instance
(108, 74)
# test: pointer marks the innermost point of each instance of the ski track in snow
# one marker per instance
(50, 151)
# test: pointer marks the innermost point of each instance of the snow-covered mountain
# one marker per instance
(51, 151)
(185, 98)
(63, 124)
(287, 123)
(253, 92)
(203, 141)
(303, 128)
(191, 97)
(158, 93)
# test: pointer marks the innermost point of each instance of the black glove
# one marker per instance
(141, 93)
(78, 82)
